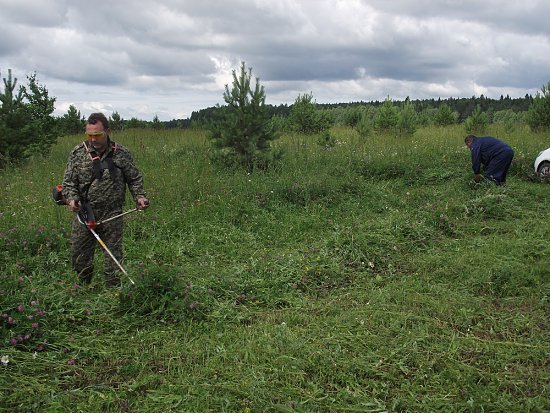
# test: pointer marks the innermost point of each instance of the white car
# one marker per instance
(542, 163)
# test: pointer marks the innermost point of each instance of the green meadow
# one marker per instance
(369, 275)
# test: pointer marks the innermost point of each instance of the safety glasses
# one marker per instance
(98, 136)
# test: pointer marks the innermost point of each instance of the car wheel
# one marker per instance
(544, 169)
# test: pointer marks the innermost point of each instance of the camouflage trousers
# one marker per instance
(84, 244)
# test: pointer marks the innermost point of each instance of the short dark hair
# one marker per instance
(470, 138)
(98, 117)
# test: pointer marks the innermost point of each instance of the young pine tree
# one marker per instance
(157, 123)
(116, 121)
(243, 132)
(387, 117)
(72, 122)
(40, 108)
(305, 118)
(407, 122)
(445, 116)
(26, 124)
(14, 136)
(538, 115)
(477, 122)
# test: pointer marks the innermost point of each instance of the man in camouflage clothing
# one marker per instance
(97, 172)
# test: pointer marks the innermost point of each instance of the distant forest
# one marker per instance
(463, 107)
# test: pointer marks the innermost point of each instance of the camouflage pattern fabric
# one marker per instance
(84, 244)
(106, 196)
(107, 190)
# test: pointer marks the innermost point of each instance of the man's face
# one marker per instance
(469, 144)
(98, 136)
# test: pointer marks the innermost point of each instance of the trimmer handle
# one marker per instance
(86, 215)
(58, 195)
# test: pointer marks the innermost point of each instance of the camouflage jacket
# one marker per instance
(108, 191)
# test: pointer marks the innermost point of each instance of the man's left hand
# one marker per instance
(142, 203)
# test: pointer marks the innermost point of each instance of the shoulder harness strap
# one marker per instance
(99, 165)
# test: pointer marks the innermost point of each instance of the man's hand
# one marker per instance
(74, 205)
(478, 178)
(142, 202)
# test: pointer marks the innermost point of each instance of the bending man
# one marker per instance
(495, 156)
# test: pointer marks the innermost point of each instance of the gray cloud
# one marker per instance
(34, 13)
(171, 57)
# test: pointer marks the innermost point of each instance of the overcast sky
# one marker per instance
(171, 57)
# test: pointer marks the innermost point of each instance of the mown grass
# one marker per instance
(369, 276)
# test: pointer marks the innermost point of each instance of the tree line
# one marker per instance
(242, 128)
(463, 107)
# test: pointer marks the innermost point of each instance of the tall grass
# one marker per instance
(371, 275)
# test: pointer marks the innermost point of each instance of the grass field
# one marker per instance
(370, 276)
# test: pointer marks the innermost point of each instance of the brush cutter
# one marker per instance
(60, 200)
(119, 215)
(84, 220)
(86, 217)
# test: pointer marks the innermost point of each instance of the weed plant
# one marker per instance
(358, 274)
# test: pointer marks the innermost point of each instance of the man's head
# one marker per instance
(97, 131)
(468, 140)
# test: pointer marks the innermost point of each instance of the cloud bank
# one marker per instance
(171, 57)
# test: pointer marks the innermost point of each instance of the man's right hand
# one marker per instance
(74, 205)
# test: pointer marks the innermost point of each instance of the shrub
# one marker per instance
(507, 118)
(326, 140)
(353, 116)
(364, 127)
(164, 294)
